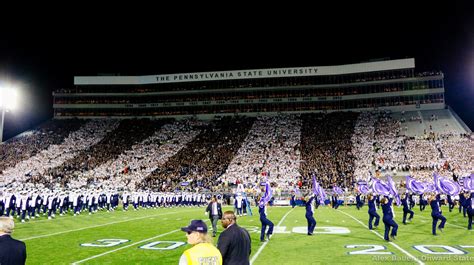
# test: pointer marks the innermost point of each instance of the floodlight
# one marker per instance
(8, 98)
(8, 101)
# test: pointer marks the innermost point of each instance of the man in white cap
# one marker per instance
(12, 251)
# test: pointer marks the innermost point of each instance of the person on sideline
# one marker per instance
(203, 252)
(12, 251)
(215, 213)
(234, 242)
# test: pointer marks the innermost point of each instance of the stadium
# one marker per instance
(127, 161)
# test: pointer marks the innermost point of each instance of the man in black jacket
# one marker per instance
(234, 243)
(12, 251)
(215, 213)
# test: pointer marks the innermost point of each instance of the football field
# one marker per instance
(153, 236)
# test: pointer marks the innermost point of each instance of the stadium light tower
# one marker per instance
(8, 99)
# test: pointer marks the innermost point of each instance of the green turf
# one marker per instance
(59, 241)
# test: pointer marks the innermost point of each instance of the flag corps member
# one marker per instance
(436, 214)
(373, 212)
(387, 189)
(262, 210)
(388, 218)
(309, 204)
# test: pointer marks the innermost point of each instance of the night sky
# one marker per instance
(41, 57)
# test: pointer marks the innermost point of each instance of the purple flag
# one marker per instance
(415, 186)
(315, 185)
(379, 187)
(322, 194)
(267, 196)
(297, 192)
(430, 187)
(318, 190)
(468, 183)
(393, 190)
(363, 188)
(446, 186)
(337, 190)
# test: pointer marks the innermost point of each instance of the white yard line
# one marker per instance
(124, 247)
(127, 246)
(447, 223)
(94, 226)
(265, 244)
(379, 235)
(66, 216)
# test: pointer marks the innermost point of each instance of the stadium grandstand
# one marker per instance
(214, 130)
(391, 84)
(248, 138)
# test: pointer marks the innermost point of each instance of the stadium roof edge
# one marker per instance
(248, 74)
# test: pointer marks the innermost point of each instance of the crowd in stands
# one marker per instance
(130, 168)
(389, 144)
(36, 167)
(327, 149)
(339, 148)
(268, 94)
(31, 143)
(363, 140)
(422, 155)
(458, 154)
(114, 143)
(428, 73)
(202, 161)
(271, 146)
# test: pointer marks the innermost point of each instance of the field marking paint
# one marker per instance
(447, 223)
(124, 247)
(265, 244)
(379, 235)
(94, 226)
(67, 216)
(127, 246)
(464, 228)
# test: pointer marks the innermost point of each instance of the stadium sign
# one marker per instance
(247, 74)
(242, 74)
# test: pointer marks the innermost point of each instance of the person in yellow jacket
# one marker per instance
(203, 252)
